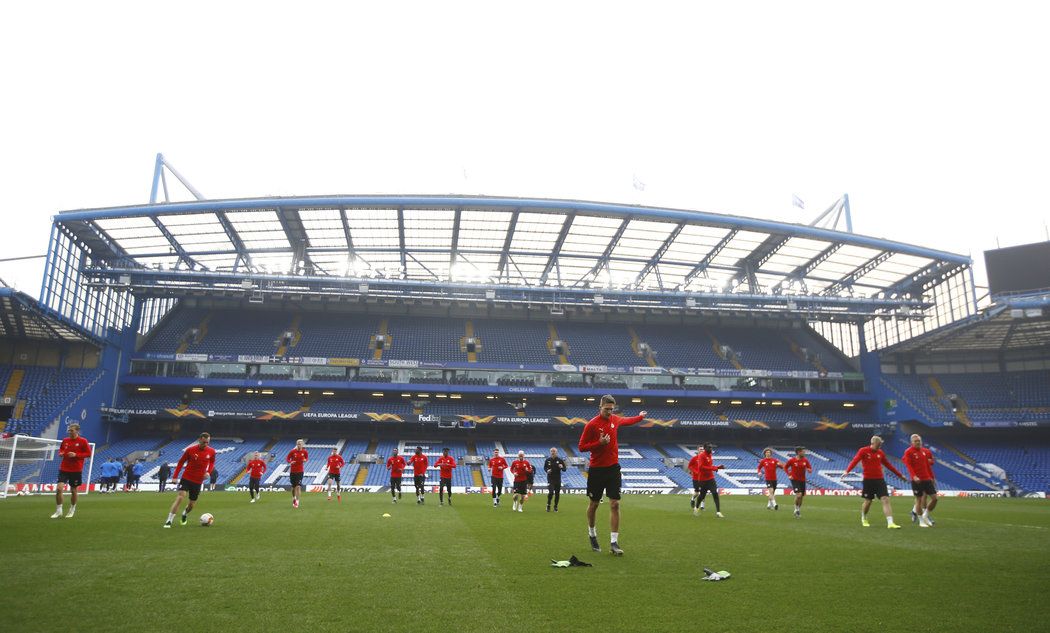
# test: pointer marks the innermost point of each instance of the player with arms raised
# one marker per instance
(873, 459)
(599, 439)
(199, 460)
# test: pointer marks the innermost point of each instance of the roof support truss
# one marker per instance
(556, 249)
(657, 256)
(863, 269)
(706, 261)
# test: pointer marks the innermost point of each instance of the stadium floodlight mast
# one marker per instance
(29, 465)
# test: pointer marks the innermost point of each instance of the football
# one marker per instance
(207, 519)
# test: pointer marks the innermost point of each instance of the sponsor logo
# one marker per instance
(704, 423)
(752, 424)
(570, 421)
(478, 419)
(185, 413)
(384, 417)
(277, 415)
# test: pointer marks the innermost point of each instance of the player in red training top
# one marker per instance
(396, 465)
(796, 468)
(599, 438)
(335, 466)
(919, 461)
(420, 463)
(445, 464)
(256, 469)
(199, 460)
(74, 449)
(521, 468)
(496, 467)
(297, 460)
(872, 460)
(703, 468)
(769, 466)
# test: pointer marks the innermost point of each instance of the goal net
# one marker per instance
(29, 465)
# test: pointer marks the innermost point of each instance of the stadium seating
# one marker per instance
(46, 391)
(516, 342)
(1027, 466)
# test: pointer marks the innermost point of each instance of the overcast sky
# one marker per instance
(932, 116)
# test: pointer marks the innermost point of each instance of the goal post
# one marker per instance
(30, 465)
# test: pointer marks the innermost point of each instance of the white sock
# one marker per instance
(171, 517)
(926, 513)
(614, 537)
(592, 531)
(889, 520)
(59, 508)
(72, 509)
(863, 516)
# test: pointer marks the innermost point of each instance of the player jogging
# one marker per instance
(74, 450)
(199, 460)
(335, 466)
(872, 459)
(796, 468)
(396, 465)
(769, 466)
(496, 467)
(703, 468)
(521, 469)
(297, 459)
(445, 464)
(919, 461)
(256, 469)
(554, 466)
(599, 439)
(419, 463)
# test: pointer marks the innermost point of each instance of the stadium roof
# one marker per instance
(503, 242)
(21, 317)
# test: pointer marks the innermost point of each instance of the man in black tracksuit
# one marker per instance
(554, 466)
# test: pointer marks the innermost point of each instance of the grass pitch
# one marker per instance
(332, 566)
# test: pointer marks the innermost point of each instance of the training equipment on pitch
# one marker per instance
(715, 575)
(207, 519)
(29, 465)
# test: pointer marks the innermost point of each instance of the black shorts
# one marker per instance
(696, 486)
(497, 482)
(419, 480)
(554, 484)
(521, 487)
(395, 482)
(190, 487)
(447, 483)
(771, 483)
(709, 485)
(530, 478)
(73, 479)
(334, 476)
(799, 486)
(296, 479)
(214, 477)
(874, 488)
(253, 482)
(604, 480)
(924, 487)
